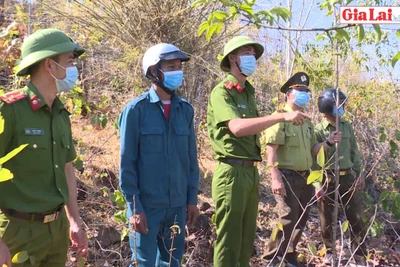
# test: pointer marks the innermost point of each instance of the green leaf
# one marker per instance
(360, 33)
(397, 201)
(320, 37)
(315, 176)
(395, 59)
(313, 249)
(197, 3)
(250, 2)
(378, 32)
(246, 8)
(345, 226)
(398, 33)
(282, 12)
(280, 226)
(5, 175)
(274, 234)
(32, 260)
(232, 10)
(1, 123)
(219, 15)
(321, 157)
(81, 262)
(397, 135)
(382, 137)
(343, 34)
(211, 30)
(393, 149)
(12, 154)
(204, 26)
(20, 257)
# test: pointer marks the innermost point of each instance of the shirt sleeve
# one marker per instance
(275, 134)
(355, 154)
(224, 106)
(71, 152)
(193, 182)
(7, 119)
(129, 140)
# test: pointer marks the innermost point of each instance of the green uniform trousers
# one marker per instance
(235, 191)
(46, 243)
(350, 200)
(292, 216)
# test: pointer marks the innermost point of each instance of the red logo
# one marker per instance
(372, 14)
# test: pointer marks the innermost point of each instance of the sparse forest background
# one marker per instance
(117, 32)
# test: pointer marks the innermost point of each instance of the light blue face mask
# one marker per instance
(71, 76)
(301, 98)
(247, 64)
(341, 111)
(173, 79)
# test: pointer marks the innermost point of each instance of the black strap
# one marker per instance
(30, 216)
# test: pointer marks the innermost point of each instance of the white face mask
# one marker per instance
(71, 76)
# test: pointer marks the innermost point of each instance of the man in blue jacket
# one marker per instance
(159, 172)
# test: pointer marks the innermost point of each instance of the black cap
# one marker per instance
(297, 80)
(327, 100)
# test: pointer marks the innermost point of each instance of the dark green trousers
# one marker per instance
(350, 199)
(293, 216)
(46, 243)
(235, 191)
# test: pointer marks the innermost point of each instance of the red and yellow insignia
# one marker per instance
(238, 87)
(228, 85)
(35, 103)
(13, 97)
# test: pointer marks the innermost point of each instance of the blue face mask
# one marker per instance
(71, 76)
(247, 64)
(341, 111)
(173, 79)
(301, 98)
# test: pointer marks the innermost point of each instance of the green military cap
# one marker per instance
(235, 43)
(43, 44)
(300, 79)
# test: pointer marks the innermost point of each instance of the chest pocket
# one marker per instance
(291, 139)
(151, 139)
(37, 155)
(182, 138)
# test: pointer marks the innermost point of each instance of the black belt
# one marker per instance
(243, 162)
(292, 172)
(40, 217)
(341, 172)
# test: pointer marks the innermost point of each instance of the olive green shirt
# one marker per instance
(348, 150)
(224, 105)
(39, 182)
(295, 143)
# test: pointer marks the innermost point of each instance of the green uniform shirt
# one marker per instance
(227, 103)
(348, 149)
(295, 144)
(39, 182)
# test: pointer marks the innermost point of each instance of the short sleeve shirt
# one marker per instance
(295, 143)
(39, 182)
(227, 103)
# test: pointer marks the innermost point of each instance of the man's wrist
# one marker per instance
(328, 143)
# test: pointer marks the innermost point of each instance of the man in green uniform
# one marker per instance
(32, 204)
(350, 161)
(233, 127)
(291, 146)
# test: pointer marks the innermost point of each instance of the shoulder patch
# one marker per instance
(228, 85)
(13, 97)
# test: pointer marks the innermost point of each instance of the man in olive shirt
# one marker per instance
(233, 126)
(32, 216)
(291, 146)
(350, 161)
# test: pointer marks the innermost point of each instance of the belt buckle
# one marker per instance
(341, 173)
(50, 217)
(255, 163)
